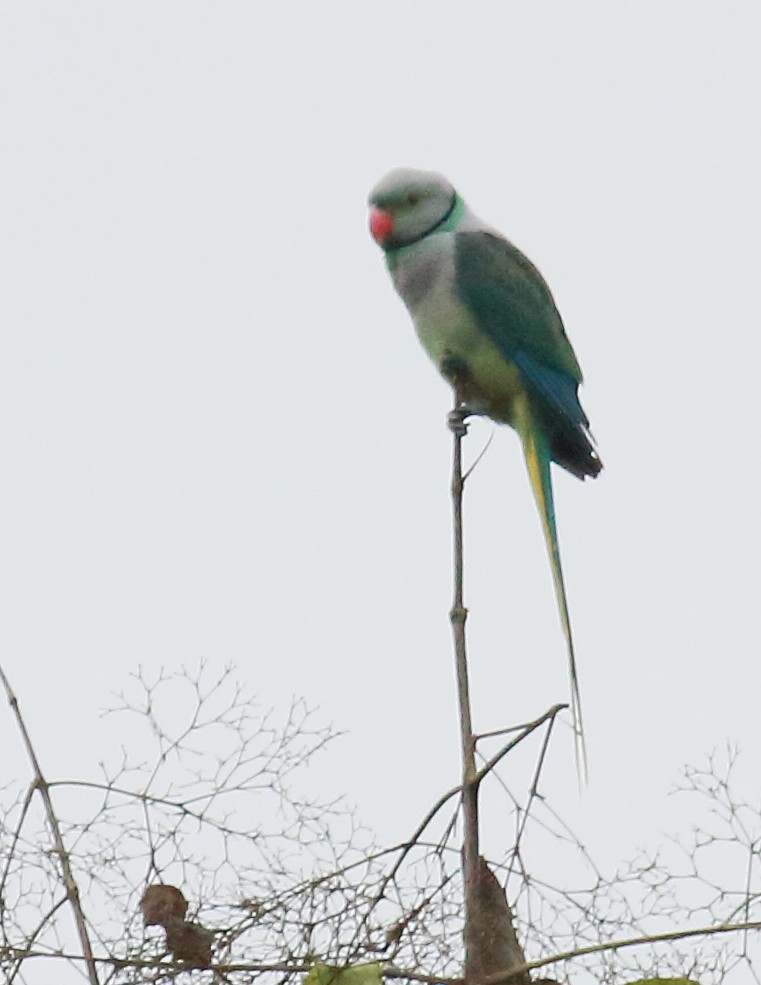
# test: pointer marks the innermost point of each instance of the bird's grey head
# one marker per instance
(407, 205)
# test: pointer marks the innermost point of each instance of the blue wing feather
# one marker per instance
(557, 387)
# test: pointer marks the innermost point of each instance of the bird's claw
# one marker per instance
(456, 421)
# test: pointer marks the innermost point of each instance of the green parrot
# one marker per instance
(487, 319)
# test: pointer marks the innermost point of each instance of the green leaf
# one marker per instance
(358, 974)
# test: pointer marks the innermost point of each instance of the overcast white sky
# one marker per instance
(221, 440)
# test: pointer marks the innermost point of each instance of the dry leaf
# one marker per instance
(491, 945)
(161, 904)
(189, 942)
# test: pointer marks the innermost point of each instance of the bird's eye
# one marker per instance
(413, 198)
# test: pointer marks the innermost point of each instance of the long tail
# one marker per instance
(538, 462)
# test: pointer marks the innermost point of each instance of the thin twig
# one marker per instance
(406, 847)
(389, 971)
(509, 729)
(526, 730)
(392, 972)
(44, 921)
(40, 783)
(480, 455)
(645, 939)
(534, 788)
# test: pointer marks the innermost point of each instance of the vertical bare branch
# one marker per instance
(40, 783)
(458, 617)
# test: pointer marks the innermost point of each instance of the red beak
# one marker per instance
(381, 224)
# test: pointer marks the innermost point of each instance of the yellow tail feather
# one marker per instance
(538, 464)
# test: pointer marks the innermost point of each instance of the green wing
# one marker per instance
(513, 307)
(512, 301)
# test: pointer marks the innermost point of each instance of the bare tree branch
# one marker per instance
(39, 783)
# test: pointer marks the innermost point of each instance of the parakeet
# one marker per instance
(487, 319)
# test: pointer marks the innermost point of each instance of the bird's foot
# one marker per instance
(456, 420)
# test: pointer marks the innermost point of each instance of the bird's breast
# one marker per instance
(424, 276)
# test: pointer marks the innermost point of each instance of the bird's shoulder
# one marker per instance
(511, 300)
